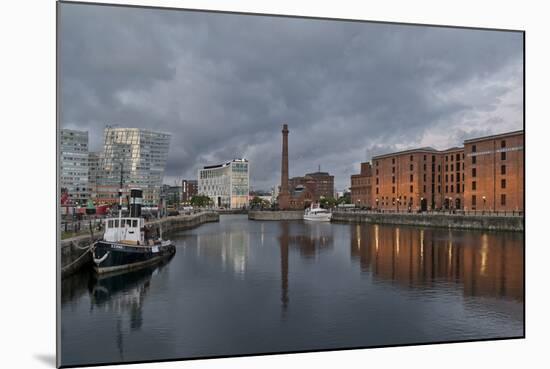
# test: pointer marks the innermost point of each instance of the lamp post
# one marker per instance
(450, 205)
(484, 200)
(377, 204)
(398, 202)
(421, 202)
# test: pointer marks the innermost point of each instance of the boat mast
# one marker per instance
(120, 197)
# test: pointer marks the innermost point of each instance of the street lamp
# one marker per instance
(421, 202)
(377, 203)
(484, 199)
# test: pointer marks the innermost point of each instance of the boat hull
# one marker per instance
(318, 218)
(113, 256)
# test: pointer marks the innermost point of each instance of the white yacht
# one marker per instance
(316, 213)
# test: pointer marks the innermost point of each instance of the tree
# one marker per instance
(327, 202)
(258, 202)
(344, 199)
(201, 201)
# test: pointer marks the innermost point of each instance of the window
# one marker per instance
(503, 155)
(452, 157)
(474, 148)
(438, 189)
(452, 188)
(377, 190)
(433, 158)
(503, 143)
(457, 157)
(446, 178)
(110, 223)
(446, 158)
(503, 199)
(502, 183)
(474, 172)
(412, 177)
(393, 189)
(474, 159)
(116, 223)
(424, 157)
(446, 167)
(411, 158)
(474, 200)
(393, 169)
(452, 167)
(376, 180)
(376, 171)
(411, 189)
(424, 189)
(393, 160)
(134, 223)
(474, 185)
(446, 188)
(425, 166)
(452, 178)
(411, 166)
(377, 163)
(424, 177)
(393, 179)
(439, 168)
(439, 178)
(503, 169)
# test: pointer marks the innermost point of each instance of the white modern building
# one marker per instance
(226, 184)
(74, 165)
(139, 156)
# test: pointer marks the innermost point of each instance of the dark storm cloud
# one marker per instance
(223, 85)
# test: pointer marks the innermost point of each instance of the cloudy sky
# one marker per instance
(223, 84)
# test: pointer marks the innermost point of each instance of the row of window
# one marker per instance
(502, 145)
(502, 200)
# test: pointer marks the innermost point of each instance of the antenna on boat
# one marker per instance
(120, 196)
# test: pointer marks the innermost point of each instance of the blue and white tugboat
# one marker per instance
(126, 243)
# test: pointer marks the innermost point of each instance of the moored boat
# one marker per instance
(316, 213)
(127, 244)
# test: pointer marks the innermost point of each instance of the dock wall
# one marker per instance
(276, 215)
(485, 222)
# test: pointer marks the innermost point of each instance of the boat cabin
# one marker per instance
(124, 229)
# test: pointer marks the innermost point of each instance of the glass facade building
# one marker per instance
(226, 184)
(74, 165)
(139, 156)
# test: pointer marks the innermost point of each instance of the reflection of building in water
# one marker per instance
(317, 237)
(231, 248)
(122, 294)
(489, 264)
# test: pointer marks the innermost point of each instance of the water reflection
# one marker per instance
(231, 247)
(484, 264)
(308, 239)
(122, 294)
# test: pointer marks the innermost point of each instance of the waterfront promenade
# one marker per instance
(495, 221)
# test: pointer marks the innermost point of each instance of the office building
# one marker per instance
(74, 165)
(138, 156)
(226, 184)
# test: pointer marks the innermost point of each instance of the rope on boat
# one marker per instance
(90, 247)
(102, 259)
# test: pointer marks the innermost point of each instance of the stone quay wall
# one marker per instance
(483, 222)
(276, 215)
(75, 252)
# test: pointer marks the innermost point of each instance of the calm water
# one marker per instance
(242, 287)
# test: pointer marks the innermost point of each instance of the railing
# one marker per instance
(503, 213)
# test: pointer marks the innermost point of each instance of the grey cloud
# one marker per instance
(223, 85)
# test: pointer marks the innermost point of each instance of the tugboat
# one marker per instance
(316, 213)
(126, 243)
